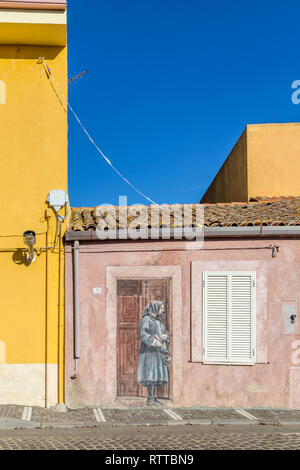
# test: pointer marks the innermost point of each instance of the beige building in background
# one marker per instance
(263, 163)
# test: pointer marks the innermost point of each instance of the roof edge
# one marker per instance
(33, 5)
(187, 233)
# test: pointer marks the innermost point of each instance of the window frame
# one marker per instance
(229, 274)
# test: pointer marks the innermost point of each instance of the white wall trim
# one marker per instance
(24, 384)
(33, 17)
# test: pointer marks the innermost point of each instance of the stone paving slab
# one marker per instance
(275, 416)
(264, 416)
(191, 414)
(217, 416)
(44, 415)
(15, 416)
(286, 416)
(135, 415)
(11, 411)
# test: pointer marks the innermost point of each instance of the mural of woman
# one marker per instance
(154, 359)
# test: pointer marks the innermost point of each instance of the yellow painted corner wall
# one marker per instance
(41, 34)
(33, 161)
(273, 160)
(230, 183)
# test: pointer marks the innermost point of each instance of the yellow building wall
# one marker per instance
(33, 161)
(273, 160)
(230, 184)
(264, 163)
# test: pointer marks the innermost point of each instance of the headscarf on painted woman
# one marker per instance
(154, 307)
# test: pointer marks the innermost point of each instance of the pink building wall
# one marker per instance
(274, 381)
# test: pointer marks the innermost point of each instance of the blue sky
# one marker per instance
(171, 85)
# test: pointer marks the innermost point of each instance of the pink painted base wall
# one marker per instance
(274, 381)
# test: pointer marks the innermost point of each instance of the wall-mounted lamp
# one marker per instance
(29, 238)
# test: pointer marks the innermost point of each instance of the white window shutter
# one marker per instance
(215, 317)
(241, 318)
(229, 317)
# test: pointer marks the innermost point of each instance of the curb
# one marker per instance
(10, 423)
(283, 422)
(223, 422)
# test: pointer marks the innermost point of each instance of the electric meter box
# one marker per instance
(290, 322)
(57, 198)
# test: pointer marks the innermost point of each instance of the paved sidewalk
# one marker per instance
(13, 417)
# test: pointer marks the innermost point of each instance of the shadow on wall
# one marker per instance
(11, 51)
(20, 257)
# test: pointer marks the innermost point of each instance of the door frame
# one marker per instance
(168, 327)
(174, 273)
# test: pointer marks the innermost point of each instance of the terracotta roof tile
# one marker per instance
(261, 211)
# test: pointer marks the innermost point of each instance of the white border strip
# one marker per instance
(24, 413)
(33, 17)
(173, 415)
(246, 414)
(27, 412)
(95, 411)
(99, 415)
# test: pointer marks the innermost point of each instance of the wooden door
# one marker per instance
(133, 295)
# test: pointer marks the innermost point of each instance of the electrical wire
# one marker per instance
(20, 236)
(50, 75)
(59, 221)
(43, 61)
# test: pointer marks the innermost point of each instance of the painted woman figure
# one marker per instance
(154, 356)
